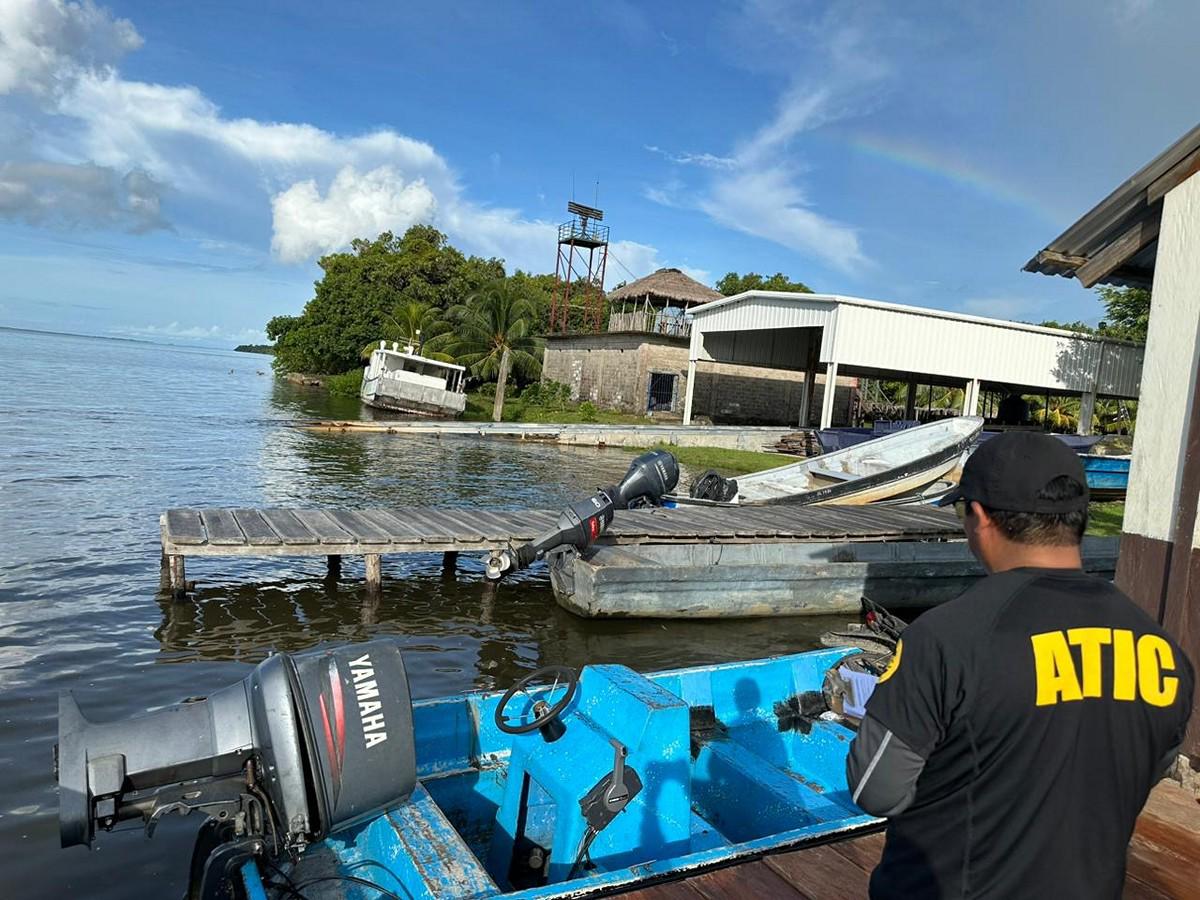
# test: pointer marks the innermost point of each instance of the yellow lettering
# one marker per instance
(1154, 655)
(1124, 665)
(1056, 677)
(894, 664)
(1089, 641)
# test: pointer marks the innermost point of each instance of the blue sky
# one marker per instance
(172, 171)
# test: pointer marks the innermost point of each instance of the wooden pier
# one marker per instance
(373, 533)
(1162, 863)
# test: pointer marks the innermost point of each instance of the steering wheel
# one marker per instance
(543, 713)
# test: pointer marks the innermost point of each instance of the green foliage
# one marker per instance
(266, 349)
(549, 395)
(360, 288)
(733, 283)
(588, 411)
(348, 384)
(1127, 312)
(413, 323)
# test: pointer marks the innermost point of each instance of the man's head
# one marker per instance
(1023, 501)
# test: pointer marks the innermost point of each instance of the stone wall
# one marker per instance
(613, 371)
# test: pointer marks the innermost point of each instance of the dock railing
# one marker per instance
(654, 322)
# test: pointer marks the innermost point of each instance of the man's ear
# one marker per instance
(982, 519)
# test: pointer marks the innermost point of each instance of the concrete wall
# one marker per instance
(613, 371)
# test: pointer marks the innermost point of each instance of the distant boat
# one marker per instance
(833, 439)
(902, 462)
(1107, 476)
(404, 381)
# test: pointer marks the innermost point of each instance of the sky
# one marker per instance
(172, 171)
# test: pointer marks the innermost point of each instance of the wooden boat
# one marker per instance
(897, 463)
(1107, 476)
(722, 763)
(706, 581)
(404, 381)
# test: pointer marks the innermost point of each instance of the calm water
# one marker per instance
(97, 437)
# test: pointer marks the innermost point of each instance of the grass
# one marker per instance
(518, 409)
(1104, 519)
(727, 462)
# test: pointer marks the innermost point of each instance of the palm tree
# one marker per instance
(416, 323)
(492, 338)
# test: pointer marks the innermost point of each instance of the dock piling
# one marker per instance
(374, 573)
(333, 564)
(449, 563)
(177, 576)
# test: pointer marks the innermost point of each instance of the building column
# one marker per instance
(691, 387)
(806, 395)
(970, 397)
(830, 390)
(1087, 412)
(910, 400)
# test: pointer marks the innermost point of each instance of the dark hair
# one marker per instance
(1047, 529)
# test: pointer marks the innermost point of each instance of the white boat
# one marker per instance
(903, 462)
(404, 381)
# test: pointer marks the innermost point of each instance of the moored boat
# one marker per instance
(721, 581)
(323, 780)
(898, 463)
(405, 381)
(1107, 476)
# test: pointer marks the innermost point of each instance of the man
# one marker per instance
(1018, 731)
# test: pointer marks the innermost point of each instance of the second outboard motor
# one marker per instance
(304, 746)
(650, 477)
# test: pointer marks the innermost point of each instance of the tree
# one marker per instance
(359, 288)
(1127, 312)
(493, 337)
(414, 323)
(733, 283)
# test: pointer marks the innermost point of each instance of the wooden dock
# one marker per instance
(1163, 863)
(373, 533)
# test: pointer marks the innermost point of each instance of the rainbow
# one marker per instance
(949, 168)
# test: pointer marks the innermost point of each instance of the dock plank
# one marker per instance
(290, 529)
(326, 529)
(752, 879)
(185, 527)
(222, 528)
(821, 872)
(359, 526)
(397, 530)
(258, 532)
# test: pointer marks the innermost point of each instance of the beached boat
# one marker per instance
(1107, 476)
(711, 581)
(407, 382)
(898, 463)
(564, 786)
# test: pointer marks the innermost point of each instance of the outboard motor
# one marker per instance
(304, 746)
(650, 476)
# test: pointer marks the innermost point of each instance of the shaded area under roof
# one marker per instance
(666, 284)
(1116, 241)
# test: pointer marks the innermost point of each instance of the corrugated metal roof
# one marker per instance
(873, 336)
(1117, 240)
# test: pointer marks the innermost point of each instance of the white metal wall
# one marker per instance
(904, 339)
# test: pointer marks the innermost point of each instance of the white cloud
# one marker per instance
(321, 189)
(176, 331)
(46, 44)
(704, 276)
(306, 223)
(49, 193)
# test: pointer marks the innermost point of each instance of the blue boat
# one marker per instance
(566, 785)
(1107, 476)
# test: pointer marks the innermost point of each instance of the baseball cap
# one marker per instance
(1008, 471)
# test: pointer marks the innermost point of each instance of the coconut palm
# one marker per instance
(412, 322)
(492, 337)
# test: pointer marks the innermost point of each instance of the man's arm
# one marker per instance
(882, 770)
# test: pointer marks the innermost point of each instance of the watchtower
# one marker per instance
(575, 286)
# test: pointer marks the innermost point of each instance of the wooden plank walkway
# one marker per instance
(373, 532)
(1163, 863)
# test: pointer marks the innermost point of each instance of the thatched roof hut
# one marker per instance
(666, 287)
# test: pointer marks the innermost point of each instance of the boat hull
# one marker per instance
(707, 581)
(416, 400)
(721, 750)
(1107, 476)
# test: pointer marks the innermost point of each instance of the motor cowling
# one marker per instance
(306, 745)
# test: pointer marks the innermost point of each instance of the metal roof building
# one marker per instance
(849, 336)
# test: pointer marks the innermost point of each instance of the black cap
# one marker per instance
(1008, 471)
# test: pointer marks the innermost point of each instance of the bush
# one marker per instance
(587, 411)
(547, 394)
(487, 389)
(348, 384)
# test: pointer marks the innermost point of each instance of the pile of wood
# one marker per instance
(798, 443)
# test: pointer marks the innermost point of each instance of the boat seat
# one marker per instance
(822, 472)
(416, 843)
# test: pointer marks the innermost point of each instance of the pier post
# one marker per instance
(831, 370)
(178, 578)
(449, 563)
(333, 564)
(374, 573)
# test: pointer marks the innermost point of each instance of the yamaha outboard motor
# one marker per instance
(304, 746)
(650, 477)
